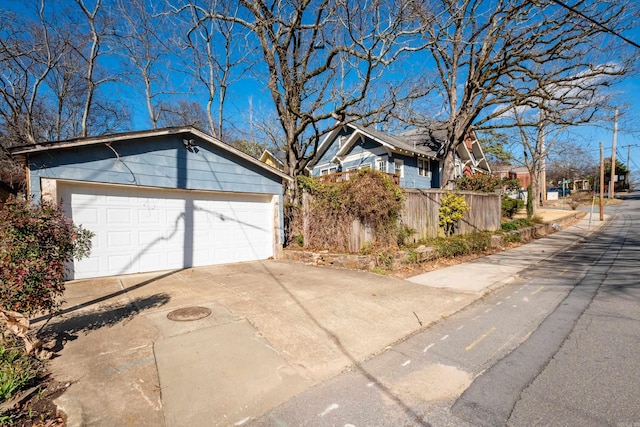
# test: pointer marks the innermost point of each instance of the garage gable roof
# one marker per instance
(186, 131)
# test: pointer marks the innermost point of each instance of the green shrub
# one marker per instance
(511, 206)
(523, 222)
(466, 244)
(508, 226)
(517, 223)
(452, 210)
(512, 238)
(36, 241)
(478, 242)
(450, 247)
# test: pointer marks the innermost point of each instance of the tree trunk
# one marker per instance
(448, 169)
(535, 192)
(291, 193)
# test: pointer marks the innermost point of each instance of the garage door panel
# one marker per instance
(201, 257)
(119, 263)
(119, 239)
(149, 216)
(120, 216)
(92, 266)
(148, 238)
(151, 261)
(176, 259)
(88, 216)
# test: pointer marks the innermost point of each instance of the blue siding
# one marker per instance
(159, 162)
(368, 160)
(332, 149)
(411, 179)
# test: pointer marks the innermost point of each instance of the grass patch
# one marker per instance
(517, 223)
(18, 370)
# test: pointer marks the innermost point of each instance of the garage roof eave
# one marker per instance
(25, 150)
(227, 147)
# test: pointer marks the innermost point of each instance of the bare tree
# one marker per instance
(218, 53)
(320, 59)
(571, 159)
(29, 51)
(140, 34)
(182, 113)
(42, 86)
(100, 27)
(492, 56)
(552, 108)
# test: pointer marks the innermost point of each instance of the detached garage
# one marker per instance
(161, 199)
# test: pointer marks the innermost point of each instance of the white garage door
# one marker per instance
(140, 229)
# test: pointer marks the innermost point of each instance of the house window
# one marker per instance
(398, 167)
(341, 140)
(358, 167)
(424, 168)
(381, 165)
(329, 170)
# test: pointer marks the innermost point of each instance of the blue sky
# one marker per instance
(588, 136)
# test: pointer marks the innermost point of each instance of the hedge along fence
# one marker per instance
(421, 210)
(346, 216)
(418, 219)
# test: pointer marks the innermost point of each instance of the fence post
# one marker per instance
(305, 219)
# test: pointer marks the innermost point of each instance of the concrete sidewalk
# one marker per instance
(485, 274)
(275, 328)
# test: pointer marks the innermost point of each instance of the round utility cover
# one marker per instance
(188, 314)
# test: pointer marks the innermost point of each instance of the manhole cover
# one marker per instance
(188, 314)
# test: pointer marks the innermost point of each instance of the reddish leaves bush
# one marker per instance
(36, 241)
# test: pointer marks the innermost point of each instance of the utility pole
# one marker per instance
(543, 167)
(628, 147)
(613, 155)
(601, 182)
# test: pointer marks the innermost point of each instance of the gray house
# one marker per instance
(413, 158)
(160, 199)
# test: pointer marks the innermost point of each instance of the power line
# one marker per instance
(593, 21)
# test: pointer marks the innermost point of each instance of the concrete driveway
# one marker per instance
(275, 328)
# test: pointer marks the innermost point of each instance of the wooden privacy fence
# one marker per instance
(421, 211)
(419, 214)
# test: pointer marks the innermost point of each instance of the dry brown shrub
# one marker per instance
(369, 197)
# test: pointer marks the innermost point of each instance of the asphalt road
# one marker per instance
(556, 346)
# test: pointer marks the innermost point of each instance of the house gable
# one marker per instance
(330, 146)
(360, 149)
(184, 160)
